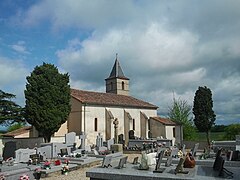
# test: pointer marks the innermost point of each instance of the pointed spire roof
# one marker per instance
(117, 70)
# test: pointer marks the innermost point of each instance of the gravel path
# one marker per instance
(80, 174)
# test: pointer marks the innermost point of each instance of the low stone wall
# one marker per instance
(190, 144)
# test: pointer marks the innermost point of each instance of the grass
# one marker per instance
(216, 136)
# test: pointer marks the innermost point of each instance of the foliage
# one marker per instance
(218, 128)
(47, 99)
(202, 109)
(231, 131)
(180, 112)
(15, 126)
(10, 112)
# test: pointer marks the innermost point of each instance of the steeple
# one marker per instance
(117, 70)
(117, 82)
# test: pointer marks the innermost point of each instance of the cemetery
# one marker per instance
(156, 159)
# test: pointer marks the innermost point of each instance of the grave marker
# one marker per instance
(122, 162)
(70, 138)
(23, 155)
(179, 168)
(158, 168)
(195, 148)
(83, 138)
(107, 161)
(135, 160)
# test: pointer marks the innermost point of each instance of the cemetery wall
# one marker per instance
(190, 144)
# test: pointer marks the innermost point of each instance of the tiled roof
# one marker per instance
(164, 121)
(109, 99)
(17, 131)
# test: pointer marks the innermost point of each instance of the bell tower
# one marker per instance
(117, 83)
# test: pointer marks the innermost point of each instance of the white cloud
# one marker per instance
(20, 47)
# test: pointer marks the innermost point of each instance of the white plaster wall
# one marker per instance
(169, 133)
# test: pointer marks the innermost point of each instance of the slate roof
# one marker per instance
(117, 71)
(17, 131)
(164, 121)
(109, 99)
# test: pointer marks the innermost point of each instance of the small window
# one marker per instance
(174, 133)
(122, 85)
(133, 124)
(95, 124)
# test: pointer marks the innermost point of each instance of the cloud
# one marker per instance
(13, 76)
(20, 47)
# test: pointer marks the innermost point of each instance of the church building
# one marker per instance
(94, 112)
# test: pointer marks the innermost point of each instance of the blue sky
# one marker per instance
(165, 47)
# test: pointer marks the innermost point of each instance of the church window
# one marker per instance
(122, 85)
(174, 132)
(95, 124)
(133, 124)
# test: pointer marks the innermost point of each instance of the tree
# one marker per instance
(231, 131)
(203, 111)
(15, 126)
(10, 112)
(180, 112)
(47, 99)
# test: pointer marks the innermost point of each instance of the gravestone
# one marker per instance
(107, 161)
(169, 159)
(9, 149)
(237, 142)
(217, 159)
(144, 162)
(109, 143)
(195, 148)
(122, 162)
(36, 158)
(131, 134)
(223, 172)
(184, 149)
(121, 139)
(158, 168)
(99, 140)
(83, 138)
(174, 152)
(45, 151)
(23, 155)
(179, 168)
(63, 152)
(135, 160)
(70, 138)
(235, 156)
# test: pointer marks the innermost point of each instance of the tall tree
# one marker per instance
(47, 99)
(203, 111)
(180, 112)
(10, 112)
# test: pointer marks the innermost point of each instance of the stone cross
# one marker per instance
(99, 140)
(116, 122)
(82, 137)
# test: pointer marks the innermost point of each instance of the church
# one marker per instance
(94, 113)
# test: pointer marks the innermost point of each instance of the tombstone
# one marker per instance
(122, 162)
(179, 168)
(23, 155)
(237, 142)
(158, 168)
(107, 161)
(235, 155)
(109, 143)
(217, 159)
(9, 149)
(36, 158)
(230, 155)
(70, 138)
(99, 140)
(131, 134)
(45, 151)
(63, 152)
(174, 152)
(195, 148)
(169, 159)
(144, 162)
(95, 152)
(135, 160)
(83, 138)
(221, 170)
(121, 139)
(183, 149)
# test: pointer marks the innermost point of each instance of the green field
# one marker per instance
(216, 136)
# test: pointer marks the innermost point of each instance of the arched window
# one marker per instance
(95, 124)
(122, 85)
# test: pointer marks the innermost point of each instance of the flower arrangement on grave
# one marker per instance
(47, 165)
(65, 168)
(37, 173)
(180, 154)
(57, 162)
(24, 177)
(78, 155)
(2, 177)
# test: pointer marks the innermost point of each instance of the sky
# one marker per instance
(167, 48)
